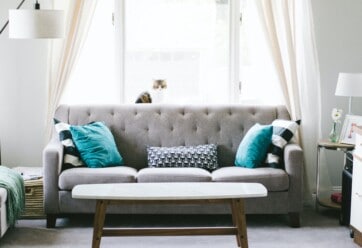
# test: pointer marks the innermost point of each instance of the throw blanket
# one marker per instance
(14, 184)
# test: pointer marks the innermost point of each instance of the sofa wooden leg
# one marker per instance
(294, 219)
(51, 220)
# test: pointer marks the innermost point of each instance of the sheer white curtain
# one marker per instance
(64, 53)
(289, 30)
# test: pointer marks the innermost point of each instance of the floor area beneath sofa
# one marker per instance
(320, 230)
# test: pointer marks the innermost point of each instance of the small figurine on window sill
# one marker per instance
(158, 90)
(145, 97)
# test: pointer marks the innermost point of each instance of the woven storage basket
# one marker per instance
(357, 237)
(33, 199)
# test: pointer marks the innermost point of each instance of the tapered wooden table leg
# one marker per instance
(99, 222)
(239, 217)
(234, 221)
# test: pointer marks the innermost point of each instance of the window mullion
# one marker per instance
(234, 51)
(120, 46)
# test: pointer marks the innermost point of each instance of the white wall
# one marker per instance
(23, 80)
(22, 95)
(339, 43)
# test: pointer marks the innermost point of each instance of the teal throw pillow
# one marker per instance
(254, 146)
(96, 145)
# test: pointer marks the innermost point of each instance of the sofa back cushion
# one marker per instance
(136, 126)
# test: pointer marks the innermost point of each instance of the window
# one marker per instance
(189, 43)
(184, 42)
(259, 82)
(93, 78)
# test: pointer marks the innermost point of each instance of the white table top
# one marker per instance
(169, 191)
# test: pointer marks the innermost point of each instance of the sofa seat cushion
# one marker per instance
(120, 174)
(149, 175)
(3, 195)
(273, 179)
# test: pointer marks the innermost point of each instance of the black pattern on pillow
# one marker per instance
(71, 157)
(201, 156)
(283, 132)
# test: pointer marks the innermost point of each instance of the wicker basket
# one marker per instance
(33, 199)
(357, 237)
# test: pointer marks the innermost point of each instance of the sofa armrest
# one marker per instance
(52, 163)
(293, 162)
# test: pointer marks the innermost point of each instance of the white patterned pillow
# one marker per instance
(71, 157)
(201, 156)
(283, 132)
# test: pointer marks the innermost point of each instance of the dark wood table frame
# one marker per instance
(238, 217)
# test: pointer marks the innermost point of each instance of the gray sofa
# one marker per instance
(3, 217)
(135, 126)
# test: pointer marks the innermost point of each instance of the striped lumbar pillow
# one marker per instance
(200, 156)
(71, 157)
(283, 132)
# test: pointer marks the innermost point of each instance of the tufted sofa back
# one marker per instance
(136, 126)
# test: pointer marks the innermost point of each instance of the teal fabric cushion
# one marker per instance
(254, 146)
(96, 145)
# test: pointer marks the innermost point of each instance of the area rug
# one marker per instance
(319, 229)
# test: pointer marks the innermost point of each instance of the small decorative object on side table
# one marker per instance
(336, 116)
(33, 181)
(328, 145)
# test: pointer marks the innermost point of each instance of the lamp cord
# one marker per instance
(7, 22)
(37, 5)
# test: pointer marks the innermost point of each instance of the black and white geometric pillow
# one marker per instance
(71, 157)
(201, 156)
(283, 132)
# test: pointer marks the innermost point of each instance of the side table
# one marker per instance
(325, 144)
(33, 182)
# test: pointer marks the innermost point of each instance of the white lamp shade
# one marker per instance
(349, 84)
(36, 24)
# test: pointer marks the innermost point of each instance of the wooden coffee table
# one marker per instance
(177, 193)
